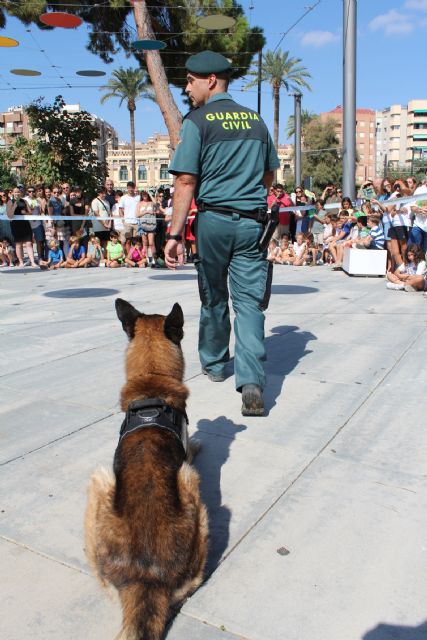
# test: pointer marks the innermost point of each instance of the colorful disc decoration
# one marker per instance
(149, 45)
(60, 19)
(25, 72)
(8, 42)
(90, 73)
(216, 22)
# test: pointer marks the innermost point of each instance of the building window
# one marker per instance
(123, 174)
(164, 173)
(362, 134)
(142, 172)
(361, 123)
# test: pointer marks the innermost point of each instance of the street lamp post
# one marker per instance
(349, 97)
(297, 144)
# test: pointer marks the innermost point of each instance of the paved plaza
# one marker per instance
(317, 511)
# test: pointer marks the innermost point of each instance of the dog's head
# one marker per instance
(154, 340)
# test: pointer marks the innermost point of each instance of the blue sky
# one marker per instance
(391, 60)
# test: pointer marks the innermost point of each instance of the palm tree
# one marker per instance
(306, 118)
(280, 70)
(129, 84)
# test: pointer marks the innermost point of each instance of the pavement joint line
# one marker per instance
(46, 556)
(70, 355)
(66, 435)
(213, 626)
(318, 454)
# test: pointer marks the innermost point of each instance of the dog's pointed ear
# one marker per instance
(174, 323)
(128, 316)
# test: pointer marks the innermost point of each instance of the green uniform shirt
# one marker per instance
(229, 148)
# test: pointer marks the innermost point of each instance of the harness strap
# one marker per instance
(155, 412)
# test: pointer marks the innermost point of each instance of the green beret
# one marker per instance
(207, 62)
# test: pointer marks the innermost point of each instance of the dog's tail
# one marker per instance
(145, 611)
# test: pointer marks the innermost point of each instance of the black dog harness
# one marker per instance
(154, 412)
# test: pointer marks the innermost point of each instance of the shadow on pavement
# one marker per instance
(174, 276)
(396, 632)
(213, 455)
(290, 288)
(285, 348)
(81, 293)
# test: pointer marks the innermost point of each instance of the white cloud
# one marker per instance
(318, 38)
(418, 5)
(392, 23)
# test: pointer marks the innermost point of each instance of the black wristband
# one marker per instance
(174, 236)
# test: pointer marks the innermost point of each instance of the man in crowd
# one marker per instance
(110, 193)
(280, 197)
(128, 206)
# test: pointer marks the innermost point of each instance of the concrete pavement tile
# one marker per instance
(333, 558)
(80, 378)
(29, 421)
(47, 600)
(43, 496)
(186, 628)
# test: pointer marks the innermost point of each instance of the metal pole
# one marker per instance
(349, 98)
(297, 144)
(259, 80)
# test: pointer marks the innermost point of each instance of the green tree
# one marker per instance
(129, 85)
(7, 176)
(306, 118)
(62, 146)
(280, 70)
(322, 158)
(174, 21)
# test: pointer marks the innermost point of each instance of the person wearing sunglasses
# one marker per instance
(36, 225)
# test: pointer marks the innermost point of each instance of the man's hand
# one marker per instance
(171, 253)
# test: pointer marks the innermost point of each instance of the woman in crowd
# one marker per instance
(55, 208)
(5, 230)
(100, 207)
(37, 227)
(21, 229)
(147, 224)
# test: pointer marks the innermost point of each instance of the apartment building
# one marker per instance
(401, 133)
(365, 139)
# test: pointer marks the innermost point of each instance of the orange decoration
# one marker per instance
(61, 19)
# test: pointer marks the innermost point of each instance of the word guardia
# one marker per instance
(233, 120)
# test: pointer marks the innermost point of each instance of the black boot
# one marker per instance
(253, 403)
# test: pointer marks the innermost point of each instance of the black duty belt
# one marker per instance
(154, 412)
(260, 215)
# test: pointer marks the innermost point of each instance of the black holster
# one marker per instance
(270, 226)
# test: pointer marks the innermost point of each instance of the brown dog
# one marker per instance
(146, 528)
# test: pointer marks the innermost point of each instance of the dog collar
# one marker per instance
(154, 412)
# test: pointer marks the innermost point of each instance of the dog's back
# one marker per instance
(146, 529)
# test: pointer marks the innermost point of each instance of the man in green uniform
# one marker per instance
(226, 159)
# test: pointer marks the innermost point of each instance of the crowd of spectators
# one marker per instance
(316, 232)
(320, 233)
(117, 229)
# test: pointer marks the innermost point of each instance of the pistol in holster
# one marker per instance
(270, 222)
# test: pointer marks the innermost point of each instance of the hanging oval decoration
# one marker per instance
(90, 73)
(148, 45)
(216, 22)
(61, 19)
(25, 72)
(8, 42)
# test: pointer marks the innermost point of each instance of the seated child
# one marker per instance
(77, 255)
(55, 258)
(114, 251)
(375, 239)
(7, 253)
(300, 250)
(337, 244)
(410, 274)
(95, 255)
(273, 251)
(135, 256)
(286, 254)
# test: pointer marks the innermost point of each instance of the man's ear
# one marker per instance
(128, 316)
(174, 323)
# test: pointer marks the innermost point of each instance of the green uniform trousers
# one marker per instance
(227, 247)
